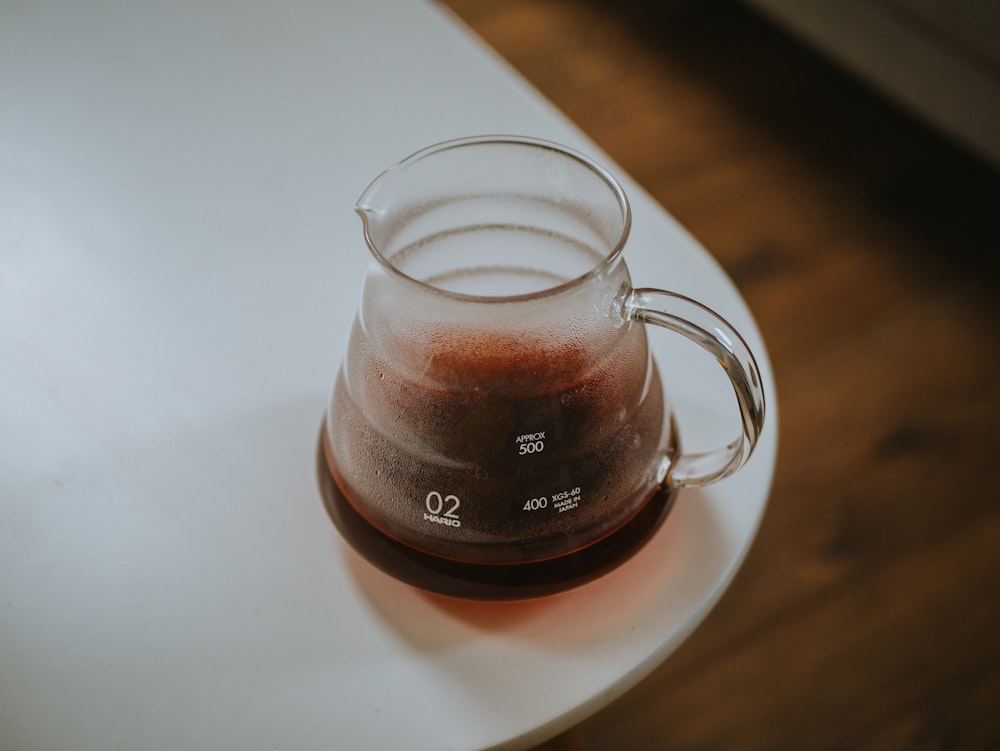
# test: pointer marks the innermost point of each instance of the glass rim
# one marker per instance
(616, 189)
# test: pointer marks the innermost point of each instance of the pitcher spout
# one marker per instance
(373, 199)
(375, 203)
(369, 221)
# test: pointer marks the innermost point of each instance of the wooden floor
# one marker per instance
(867, 615)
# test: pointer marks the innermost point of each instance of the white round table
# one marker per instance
(179, 264)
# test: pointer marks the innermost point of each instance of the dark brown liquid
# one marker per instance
(513, 581)
(497, 466)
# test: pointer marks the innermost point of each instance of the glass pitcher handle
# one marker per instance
(710, 331)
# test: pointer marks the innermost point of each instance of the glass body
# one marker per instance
(498, 427)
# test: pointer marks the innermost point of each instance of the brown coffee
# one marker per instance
(489, 448)
(483, 581)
